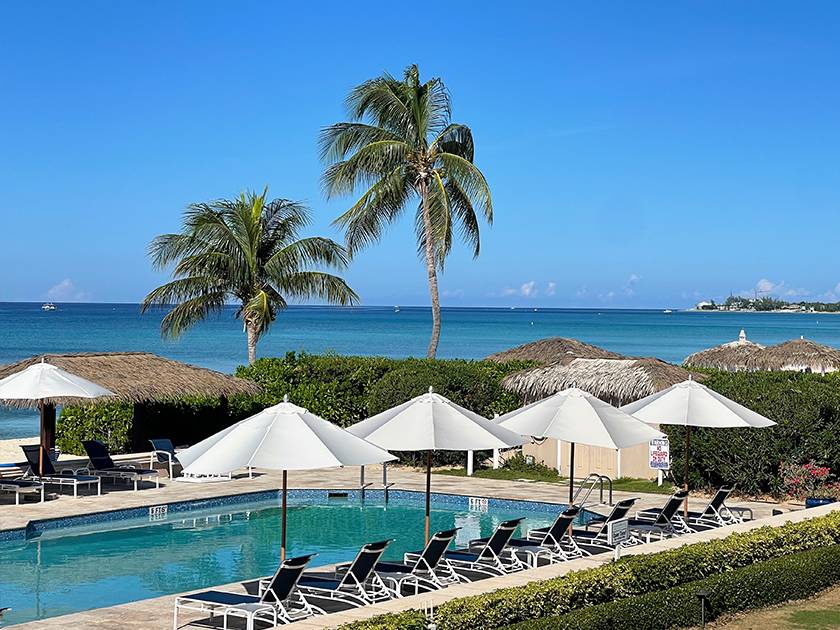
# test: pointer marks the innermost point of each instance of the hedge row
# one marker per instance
(807, 410)
(757, 586)
(632, 576)
(341, 389)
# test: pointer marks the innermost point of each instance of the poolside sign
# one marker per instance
(618, 532)
(660, 454)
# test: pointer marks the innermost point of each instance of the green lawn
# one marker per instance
(818, 613)
(624, 484)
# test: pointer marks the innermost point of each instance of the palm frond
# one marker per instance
(190, 312)
(470, 179)
(319, 285)
(456, 139)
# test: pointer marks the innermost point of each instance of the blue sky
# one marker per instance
(639, 154)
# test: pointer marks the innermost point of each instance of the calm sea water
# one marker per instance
(469, 333)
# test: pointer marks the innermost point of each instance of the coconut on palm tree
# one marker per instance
(244, 250)
(400, 147)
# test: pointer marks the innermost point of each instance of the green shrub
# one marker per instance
(518, 463)
(756, 586)
(109, 422)
(807, 410)
(634, 576)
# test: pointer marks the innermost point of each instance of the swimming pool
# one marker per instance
(62, 566)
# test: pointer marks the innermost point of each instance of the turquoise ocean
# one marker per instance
(470, 333)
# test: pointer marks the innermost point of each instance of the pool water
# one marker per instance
(74, 569)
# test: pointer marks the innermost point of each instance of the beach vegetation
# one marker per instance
(401, 149)
(246, 250)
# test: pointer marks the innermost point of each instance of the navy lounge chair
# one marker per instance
(21, 486)
(666, 521)
(102, 465)
(489, 558)
(278, 602)
(358, 586)
(163, 451)
(51, 476)
(428, 569)
(715, 514)
(597, 539)
(555, 543)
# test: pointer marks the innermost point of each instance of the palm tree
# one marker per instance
(401, 145)
(244, 249)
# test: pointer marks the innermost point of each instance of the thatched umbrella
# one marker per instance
(553, 350)
(617, 381)
(733, 356)
(797, 355)
(137, 377)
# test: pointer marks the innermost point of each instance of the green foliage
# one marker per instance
(634, 576)
(343, 390)
(759, 585)
(108, 422)
(519, 464)
(807, 410)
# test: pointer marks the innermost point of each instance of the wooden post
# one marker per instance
(283, 520)
(571, 473)
(47, 411)
(428, 491)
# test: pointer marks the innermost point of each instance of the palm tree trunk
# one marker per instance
(431, 269)
(251, 329)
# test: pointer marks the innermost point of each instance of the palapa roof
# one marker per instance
(798, 355)
(553, 350)
(617, 381)
(136, 377)
(733, 356)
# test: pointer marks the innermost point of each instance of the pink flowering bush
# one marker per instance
(804, 481)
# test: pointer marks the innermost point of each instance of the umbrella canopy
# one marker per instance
(40, 384)
(283, 437)
(692, 404)
(576, 416)
(431, 422)
(43, 381)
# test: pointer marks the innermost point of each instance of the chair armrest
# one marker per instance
(165, 454)
(82, 471)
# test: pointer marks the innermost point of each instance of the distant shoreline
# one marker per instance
(778, 311)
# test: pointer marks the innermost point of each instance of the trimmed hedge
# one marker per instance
(807, 410)
(343, 390)
(756, 586)
(632, 576)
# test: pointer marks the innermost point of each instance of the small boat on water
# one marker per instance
(667, 311)
(49, 306)
(396, 309)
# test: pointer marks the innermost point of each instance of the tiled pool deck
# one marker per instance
(157, 612)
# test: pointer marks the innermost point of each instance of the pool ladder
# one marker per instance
(588, 484)
(364, 486)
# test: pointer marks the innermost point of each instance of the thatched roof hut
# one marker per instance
(137, 377)
(553, 350)
(798, 355)
(734, 356)
(617, 381)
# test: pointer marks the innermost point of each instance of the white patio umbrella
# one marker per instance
(576, 416)
(43, 384)
(283, 437)
(431, 422)
(691, 404)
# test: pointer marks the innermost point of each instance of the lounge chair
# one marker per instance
(597, 539)
(358, 586)
(489, 558)
(428, 569)
(51, 476)
(163, 451)
(715, 514)
(102, 465)
(278, 602)
(21, 486)
(665, 521)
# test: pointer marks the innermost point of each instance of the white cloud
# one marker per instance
(551, 288)
(528, 289)
(581, 292)
(453, 293)
(800, 292)
(630, 286)
(66, 291)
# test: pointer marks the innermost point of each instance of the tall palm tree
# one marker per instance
(244, 249)
(401, 145)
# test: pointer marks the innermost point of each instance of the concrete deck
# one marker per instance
(157, 612)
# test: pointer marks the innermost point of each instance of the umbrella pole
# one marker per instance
(685, 478)
(283, 521)
(428, 490)
(571, 473)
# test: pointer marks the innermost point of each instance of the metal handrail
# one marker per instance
(592, 479)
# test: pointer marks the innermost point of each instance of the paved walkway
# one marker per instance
(157, 612)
